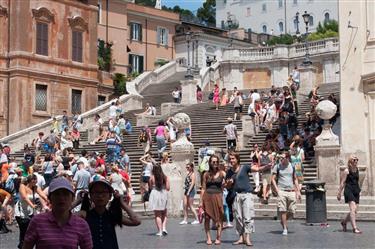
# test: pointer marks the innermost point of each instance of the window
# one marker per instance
(281, 27)
(162, 36)
(77, 46)
(222, 24)
(248, 11)
(280, 3)
(264, 7)
(264, 29)
(101, 100)
(42, 38)
(295, 2)
(99, 11)
(326, 17)
(135, 63)
(76, 101)
(311, 21)
(295, 22)
(41, 98)
(136, 31)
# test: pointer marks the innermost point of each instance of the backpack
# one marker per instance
(142, 137)
(9, 184)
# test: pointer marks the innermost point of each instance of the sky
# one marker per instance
(192, 5)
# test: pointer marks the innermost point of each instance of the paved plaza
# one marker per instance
(267, 236)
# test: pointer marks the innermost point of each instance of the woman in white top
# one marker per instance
(147, 162)
(116, 181)
(172, 131)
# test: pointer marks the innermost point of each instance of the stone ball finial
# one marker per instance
(326, 109)
(181, 121)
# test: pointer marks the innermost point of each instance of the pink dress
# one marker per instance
(224, 100)
(216, 98)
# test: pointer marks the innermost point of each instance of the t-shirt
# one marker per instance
(45, 233)
(125, 160)
(230, 131)
(4, 158)
(285, 176)
(242, 181)
(82, 178)
(254, 96)
(160, 131)
(176, 94)
(147, 169)
(41, 182)
(112, 111)
(111, 143)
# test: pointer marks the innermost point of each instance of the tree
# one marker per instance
(119, 82)
(150, 3)
(207, 13)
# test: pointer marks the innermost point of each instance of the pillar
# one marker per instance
(307, 78)
(189, 88)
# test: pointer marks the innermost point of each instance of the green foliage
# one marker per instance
(178, 10)
(119, 82)
(150, 3)
(104, 55)
(207, 13)
(282, 39)
(329, 29)
(160, 62)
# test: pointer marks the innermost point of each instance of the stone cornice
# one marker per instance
(145, 15)
(3, 11)
(77, 22)
(368, 82)
(43, 14)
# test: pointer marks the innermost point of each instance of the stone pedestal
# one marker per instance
(167, 109)
(145, 119)
(182, 152)
(327, 158)
(189, 88)
(92, 134)
(308, 79)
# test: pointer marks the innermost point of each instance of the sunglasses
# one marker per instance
(215, 162)
(355, 160)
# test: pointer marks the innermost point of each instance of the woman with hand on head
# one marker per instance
(189, 193)
(212, 198)
(102, 220)
(349, 181)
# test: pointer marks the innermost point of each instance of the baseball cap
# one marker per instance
(100, 180)
(60, 183)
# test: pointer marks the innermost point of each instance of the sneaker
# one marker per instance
(285, 232)
(229, 225)
(184, 222)
(196, 222)
(165, 232)
(159, 234)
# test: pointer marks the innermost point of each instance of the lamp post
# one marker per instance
(188, 74)
(297, 23)
(196, 66)
(306, 60)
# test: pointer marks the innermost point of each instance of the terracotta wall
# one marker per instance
(257, 78)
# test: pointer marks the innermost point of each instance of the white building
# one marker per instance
(274, 16)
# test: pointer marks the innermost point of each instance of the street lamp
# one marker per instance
(188, 74)
(306, 60)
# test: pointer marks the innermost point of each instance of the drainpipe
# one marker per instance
(285, 31)
(8, 68)
(106, 22)
(146, 60)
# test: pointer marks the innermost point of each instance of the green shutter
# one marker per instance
(140, 64)
(140, 32)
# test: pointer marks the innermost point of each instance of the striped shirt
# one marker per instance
(45, 233)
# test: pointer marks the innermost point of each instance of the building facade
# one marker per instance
(142, 37)
(48, 61)
(357, 55)
(276, 16)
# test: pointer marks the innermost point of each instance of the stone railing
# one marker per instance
(145, 79)
(209, 74)
(282, 51)
(17, 140)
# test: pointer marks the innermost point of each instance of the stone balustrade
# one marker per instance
(209, 74)
(17, 140)
(282, 51)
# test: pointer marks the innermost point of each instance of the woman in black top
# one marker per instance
(350, 182)
(102, 221)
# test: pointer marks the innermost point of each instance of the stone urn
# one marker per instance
(326, 110)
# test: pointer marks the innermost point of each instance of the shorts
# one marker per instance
(237, 109)
(286, 202)
(231, 143)
(191, 194)
(145, 179)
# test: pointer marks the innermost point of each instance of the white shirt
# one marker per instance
(84, 160)
(4, 158)
(254, 96)
(112, 111)
(176, 94)
(230, 131)
(41, 182)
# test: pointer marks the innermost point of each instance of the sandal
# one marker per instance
(343, 224)
(357, 231)
(217, 242)
(238, 242)
(209, 242)
(248, 244)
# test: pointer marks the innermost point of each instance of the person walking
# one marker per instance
(58, 228)
(297, 158)
(285, 182)
(216, 97)
(176, 95)
(189, 193)
(237, 101)
(199, 94)
(212, 199)
(243, 206)
(224, 97)
(159, 198)
(103, 218)
(161, 134)
(349, 181)
(230, 130)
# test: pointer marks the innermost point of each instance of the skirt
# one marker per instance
(213, 206)
(158, 200)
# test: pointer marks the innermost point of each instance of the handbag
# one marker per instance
(211, 96)
(200, 214)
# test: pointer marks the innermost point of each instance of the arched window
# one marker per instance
(326, 17)
(280, 3)
(311, 21)
(281, 27)
(264, 29)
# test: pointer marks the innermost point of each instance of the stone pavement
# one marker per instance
(267, 236)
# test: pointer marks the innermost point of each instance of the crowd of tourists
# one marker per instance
(60, 196)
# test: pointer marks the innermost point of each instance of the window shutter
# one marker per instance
(140, 32)
(166, 37)
(140, 66)
(42, 38)
(130, 63)
(80, 46)
(45, 39)
(158, 34)
(38, 38)
(131, 36)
